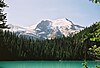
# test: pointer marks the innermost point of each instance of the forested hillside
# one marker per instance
(13, 47)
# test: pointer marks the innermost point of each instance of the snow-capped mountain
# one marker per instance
(48, 29)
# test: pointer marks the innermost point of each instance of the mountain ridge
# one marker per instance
(48, 29)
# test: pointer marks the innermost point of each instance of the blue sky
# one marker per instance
(28, 12)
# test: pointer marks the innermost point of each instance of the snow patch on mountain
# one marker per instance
(48, 29)
(16, 28)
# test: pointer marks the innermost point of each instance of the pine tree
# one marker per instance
(2, 15)
(95, 1)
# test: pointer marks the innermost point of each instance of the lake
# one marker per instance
(46, 64)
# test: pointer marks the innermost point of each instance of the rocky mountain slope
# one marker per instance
(48, 29)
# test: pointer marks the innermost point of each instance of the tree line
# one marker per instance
(75, 47)
(14, 47)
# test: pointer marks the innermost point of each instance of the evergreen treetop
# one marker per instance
(2, 15)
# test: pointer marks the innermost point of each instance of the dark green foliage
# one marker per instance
(14, 47)
(2, 15)
(85, 64)
(95, 1)
(21, 48)
(95, 49)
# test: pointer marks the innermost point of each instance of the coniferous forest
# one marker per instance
(13, 47)
(77, 47)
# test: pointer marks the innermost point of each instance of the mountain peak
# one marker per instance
(49, 29)
(62, 22)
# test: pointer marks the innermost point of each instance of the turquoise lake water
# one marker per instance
(46, 64)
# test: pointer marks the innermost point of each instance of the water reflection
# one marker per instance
(45, 64)
(1, 67)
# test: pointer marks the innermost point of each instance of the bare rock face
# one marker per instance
(48, 29)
